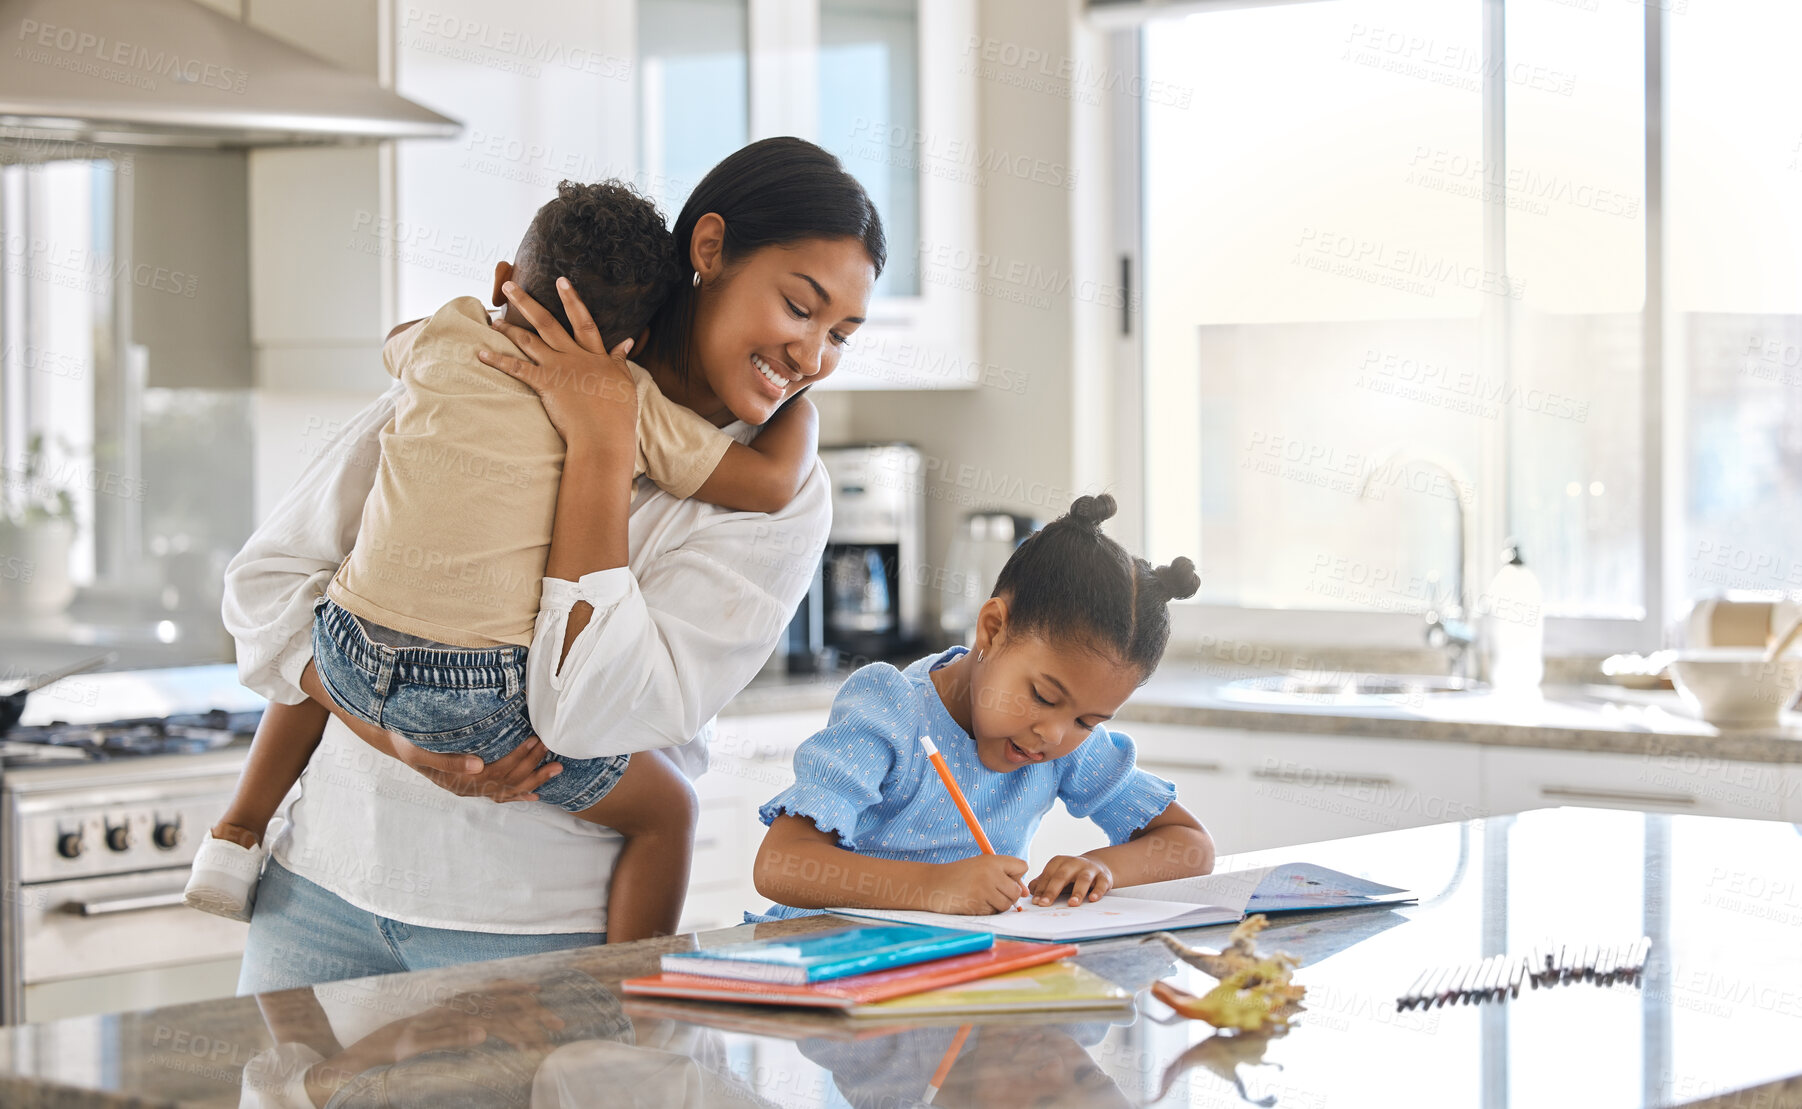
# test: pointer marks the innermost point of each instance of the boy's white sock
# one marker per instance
(224, 879)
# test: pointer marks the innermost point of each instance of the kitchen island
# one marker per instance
(1717, 1020)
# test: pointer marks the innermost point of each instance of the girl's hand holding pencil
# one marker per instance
(982, 877)
(980, 885)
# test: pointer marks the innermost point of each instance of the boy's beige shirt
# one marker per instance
(454, 536)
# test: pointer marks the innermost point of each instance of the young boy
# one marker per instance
(424, 629)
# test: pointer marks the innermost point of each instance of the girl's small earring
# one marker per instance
(697, 280)
(979, 655)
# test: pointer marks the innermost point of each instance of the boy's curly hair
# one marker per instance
(614, 247)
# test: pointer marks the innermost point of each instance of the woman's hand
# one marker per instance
(587, 392)
(514, 776)
(1087, 880)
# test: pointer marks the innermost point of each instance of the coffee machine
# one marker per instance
(870, 585)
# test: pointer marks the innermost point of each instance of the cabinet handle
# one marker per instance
(1324, 777)
(1578, 794)
(1204, 767)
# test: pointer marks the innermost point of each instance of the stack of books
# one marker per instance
(887, 971)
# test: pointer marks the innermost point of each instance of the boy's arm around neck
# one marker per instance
(766, 475)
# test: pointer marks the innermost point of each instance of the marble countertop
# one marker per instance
(1719, 1011)
(1193, 692)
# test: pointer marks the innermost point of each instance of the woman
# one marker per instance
(654, 613)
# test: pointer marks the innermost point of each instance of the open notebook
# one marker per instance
(1170, 906)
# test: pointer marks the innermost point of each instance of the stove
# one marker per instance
(185, 734)
(98, 826)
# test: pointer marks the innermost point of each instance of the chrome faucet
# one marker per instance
(1449, 630)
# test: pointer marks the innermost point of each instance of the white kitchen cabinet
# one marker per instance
(656, 92)
(1254, 790)
(1516, 779)
(750, 760)
(1306, 788)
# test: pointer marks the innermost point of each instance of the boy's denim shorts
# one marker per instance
(452, 700)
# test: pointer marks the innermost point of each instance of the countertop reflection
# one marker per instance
(1720, 1009)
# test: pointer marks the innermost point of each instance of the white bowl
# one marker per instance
(1734, 687)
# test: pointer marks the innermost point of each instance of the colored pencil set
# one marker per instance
(1500, 977)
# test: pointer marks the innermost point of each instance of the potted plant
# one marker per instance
(37, 530)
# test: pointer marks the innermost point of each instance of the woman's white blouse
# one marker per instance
(675, 634)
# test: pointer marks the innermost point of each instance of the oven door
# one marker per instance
(106, 945)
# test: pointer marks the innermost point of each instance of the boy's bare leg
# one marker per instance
(653, 806)
(284, 742)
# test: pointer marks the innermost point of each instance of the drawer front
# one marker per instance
(1255, 790)
(1518, 779)
(1306, 788)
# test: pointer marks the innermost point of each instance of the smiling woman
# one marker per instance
(794, 308)
(637, 644)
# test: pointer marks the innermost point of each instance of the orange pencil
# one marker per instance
(957, 798)
(945, 1064)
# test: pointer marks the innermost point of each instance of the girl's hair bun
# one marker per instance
(1179, 579)
(1091, 511)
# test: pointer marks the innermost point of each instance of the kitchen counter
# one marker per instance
(1720, 1009)
(1592, 717)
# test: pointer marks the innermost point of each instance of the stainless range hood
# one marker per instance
(176, 73)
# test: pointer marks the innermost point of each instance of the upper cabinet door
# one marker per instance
(694, 92)
(657, 92)
(897, 103)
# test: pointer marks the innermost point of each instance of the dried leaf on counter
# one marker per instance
(1255, 992)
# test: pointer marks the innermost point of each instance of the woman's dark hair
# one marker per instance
(612, 245)
(1070, 583)
(771, 193)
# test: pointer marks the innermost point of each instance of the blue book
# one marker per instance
(836, 953)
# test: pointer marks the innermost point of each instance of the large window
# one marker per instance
(1734, 205)
(1401, 258)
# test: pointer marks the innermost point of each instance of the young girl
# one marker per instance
(1075, 624)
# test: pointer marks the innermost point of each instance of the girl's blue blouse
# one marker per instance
(866, 779)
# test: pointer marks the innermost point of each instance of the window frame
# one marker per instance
(900, 331)
(1212, 627)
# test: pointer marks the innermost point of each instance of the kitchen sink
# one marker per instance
(1338, 688)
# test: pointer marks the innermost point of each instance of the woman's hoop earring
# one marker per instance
(979, 656)
(697, 280)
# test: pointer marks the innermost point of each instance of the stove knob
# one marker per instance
(118, 837)
(68, 845)
(166, 835)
